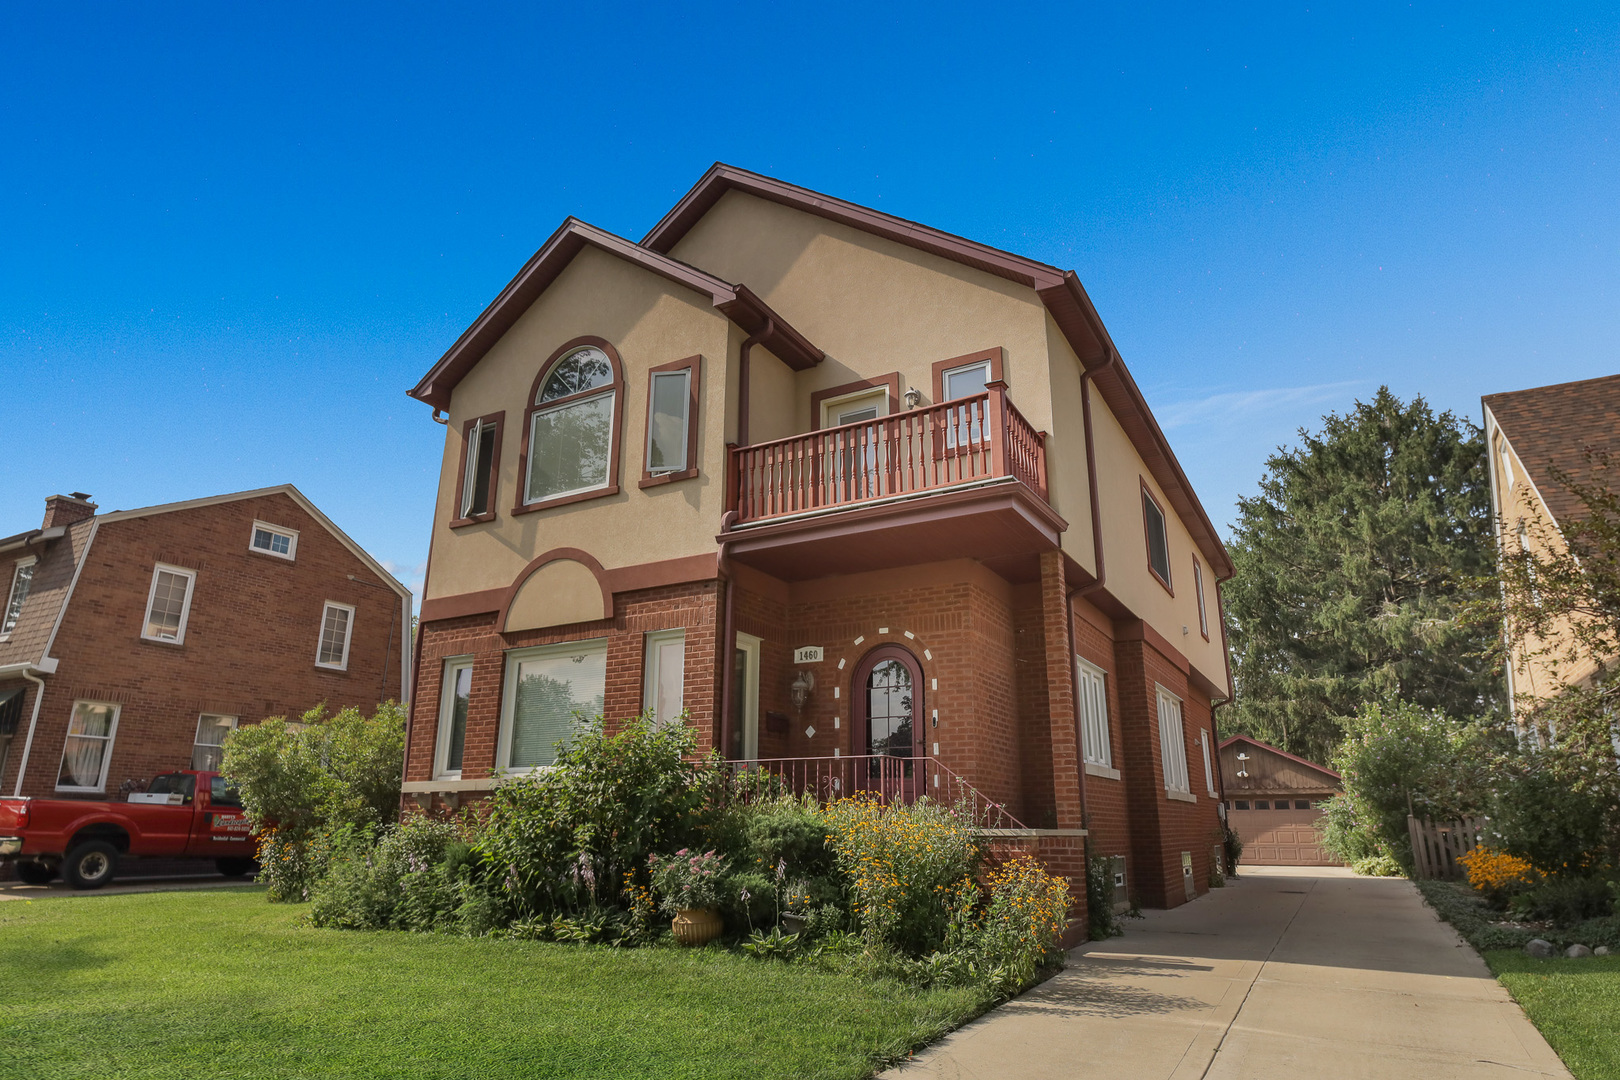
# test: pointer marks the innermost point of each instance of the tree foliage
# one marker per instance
(1352, 565)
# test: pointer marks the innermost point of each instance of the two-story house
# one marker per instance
(1537, 439)
(133, 642)
(875, 506)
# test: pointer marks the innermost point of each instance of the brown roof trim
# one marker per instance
(736, 302)
(1252, 741)
(1550, 430)
(1060, 290)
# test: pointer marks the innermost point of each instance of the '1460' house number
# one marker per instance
(807, 654)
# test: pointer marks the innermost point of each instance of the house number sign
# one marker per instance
(807, 654)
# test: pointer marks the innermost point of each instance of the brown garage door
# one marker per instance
(1280, 837)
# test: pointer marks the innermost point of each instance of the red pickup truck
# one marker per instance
(180, 815)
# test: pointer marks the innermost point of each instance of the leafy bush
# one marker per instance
(899, 863)
(414, 877)
(777, 847)
(1101, 922)
(301, 784)
(1465, 910)
(1377, 866)
(1565, 900)
(1547, 810)
(1023, 921)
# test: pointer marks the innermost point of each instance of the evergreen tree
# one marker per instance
(1354, 562)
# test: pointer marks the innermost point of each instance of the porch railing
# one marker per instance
(889, 778)
(977, 438)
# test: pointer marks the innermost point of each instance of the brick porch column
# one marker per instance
(1060, 692)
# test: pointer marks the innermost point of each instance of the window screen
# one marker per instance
(666, 425)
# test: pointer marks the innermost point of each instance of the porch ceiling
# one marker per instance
(1005, 525)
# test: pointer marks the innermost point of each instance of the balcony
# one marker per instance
(961, 479)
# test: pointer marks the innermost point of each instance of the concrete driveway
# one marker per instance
(1287, 972)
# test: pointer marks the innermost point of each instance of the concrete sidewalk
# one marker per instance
(1287, 972)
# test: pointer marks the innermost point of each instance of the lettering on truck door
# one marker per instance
(224, 831)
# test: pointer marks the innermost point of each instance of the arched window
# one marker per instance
(571, 430)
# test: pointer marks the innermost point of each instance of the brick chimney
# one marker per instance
(66, 509)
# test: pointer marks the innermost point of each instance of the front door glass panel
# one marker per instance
(890, 701)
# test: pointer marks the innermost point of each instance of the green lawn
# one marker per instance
(221, 983)
(1575, 1003)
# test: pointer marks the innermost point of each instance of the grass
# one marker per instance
(221, 983)
(1574, 1003)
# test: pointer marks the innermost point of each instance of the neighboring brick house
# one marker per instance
(765, 466)
(1274, 803)
(133, 641)
(1533, 437)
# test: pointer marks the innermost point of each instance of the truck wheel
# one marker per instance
(236, 867)
(90, 865)
(35, 873)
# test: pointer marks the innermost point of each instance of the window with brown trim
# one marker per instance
(1198, 585)
(480, 465)
(570, 446)
(672, 422)
(1158, 540)
(825, 405)
(960, 375)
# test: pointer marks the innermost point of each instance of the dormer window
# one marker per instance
(22, 579)
(571, 430)
(268, 539)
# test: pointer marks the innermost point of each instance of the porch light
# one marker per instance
(801, 688)
(913, 397)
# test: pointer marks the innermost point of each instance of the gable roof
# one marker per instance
(1250, 740)
(1550, 429)
(735, 302)
(1060, 290)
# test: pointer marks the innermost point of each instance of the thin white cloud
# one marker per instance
(1242, 405)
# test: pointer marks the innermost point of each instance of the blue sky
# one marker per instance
(232, 236)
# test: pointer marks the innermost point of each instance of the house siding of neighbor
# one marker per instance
(1533, 437)
(783, 422)
(144, 635)
(1274, 803)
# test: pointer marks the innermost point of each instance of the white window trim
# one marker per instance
(879, 396)
(945, 376)
(685, 374)
(106, 754)
(235, 722)
(1209, 769)
(447, 701)
(1176, 781)
(503, 741)
(1203, 610)
(11, 594)
(750, 648)
(279, 530)
(348, 636)
(528, 473)
(470, 472)
(1089, 750)
(651, 674)
(185, 605)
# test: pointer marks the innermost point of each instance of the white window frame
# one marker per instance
(107, 745)
(1209, 769)
(652, 673)
(185, 605)
(348, 636)
(1095, 744)
(471, 473)
(1505, 453)
(1198, 586)
(235, 722)
(1173, 745)
(945, 376)
(514, 657)
(447, 703)
(877, 396)
(685, 375)
(610, 392)
(749, 646)
(273, 530)
(8, 620)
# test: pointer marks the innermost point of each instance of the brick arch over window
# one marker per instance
(563, 576)
(616, 423)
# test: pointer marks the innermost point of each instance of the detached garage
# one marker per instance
(1272, 803)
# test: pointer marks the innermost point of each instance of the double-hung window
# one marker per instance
(88, 750)
(337, 626)
(571, 428)
(22, 579)
(168, 604)
(1158, 543)
(209, 748)
(550, 691)
(453, 703)
(664, 675)
(672, 395)
(1172, 743)
(1094, 714)
(277, 540)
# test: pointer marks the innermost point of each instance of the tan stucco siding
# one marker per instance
(1120, 474)
(650, 321)
(873, 305)
(1067, 480)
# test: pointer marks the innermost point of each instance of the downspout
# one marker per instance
(33, 721)
(1086, 377)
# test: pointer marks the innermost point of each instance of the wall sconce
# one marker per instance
(801, 688)
(913, 396)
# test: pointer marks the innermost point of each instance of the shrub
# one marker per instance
(1565, 900)
(763, 836)
(899, 862)
(1101, 922)
(1377, 866)
(1546, 811)
(1023, 921)
(413, 876)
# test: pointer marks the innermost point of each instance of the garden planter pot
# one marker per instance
(696, 926)
(793, 924)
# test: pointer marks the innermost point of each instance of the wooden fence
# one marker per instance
(1436, 846)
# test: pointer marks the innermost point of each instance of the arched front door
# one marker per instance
(887, 690)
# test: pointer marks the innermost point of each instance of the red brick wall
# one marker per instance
(250, 640)
(1106, 806)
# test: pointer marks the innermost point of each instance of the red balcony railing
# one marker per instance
(968, 440)
(889, 778)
